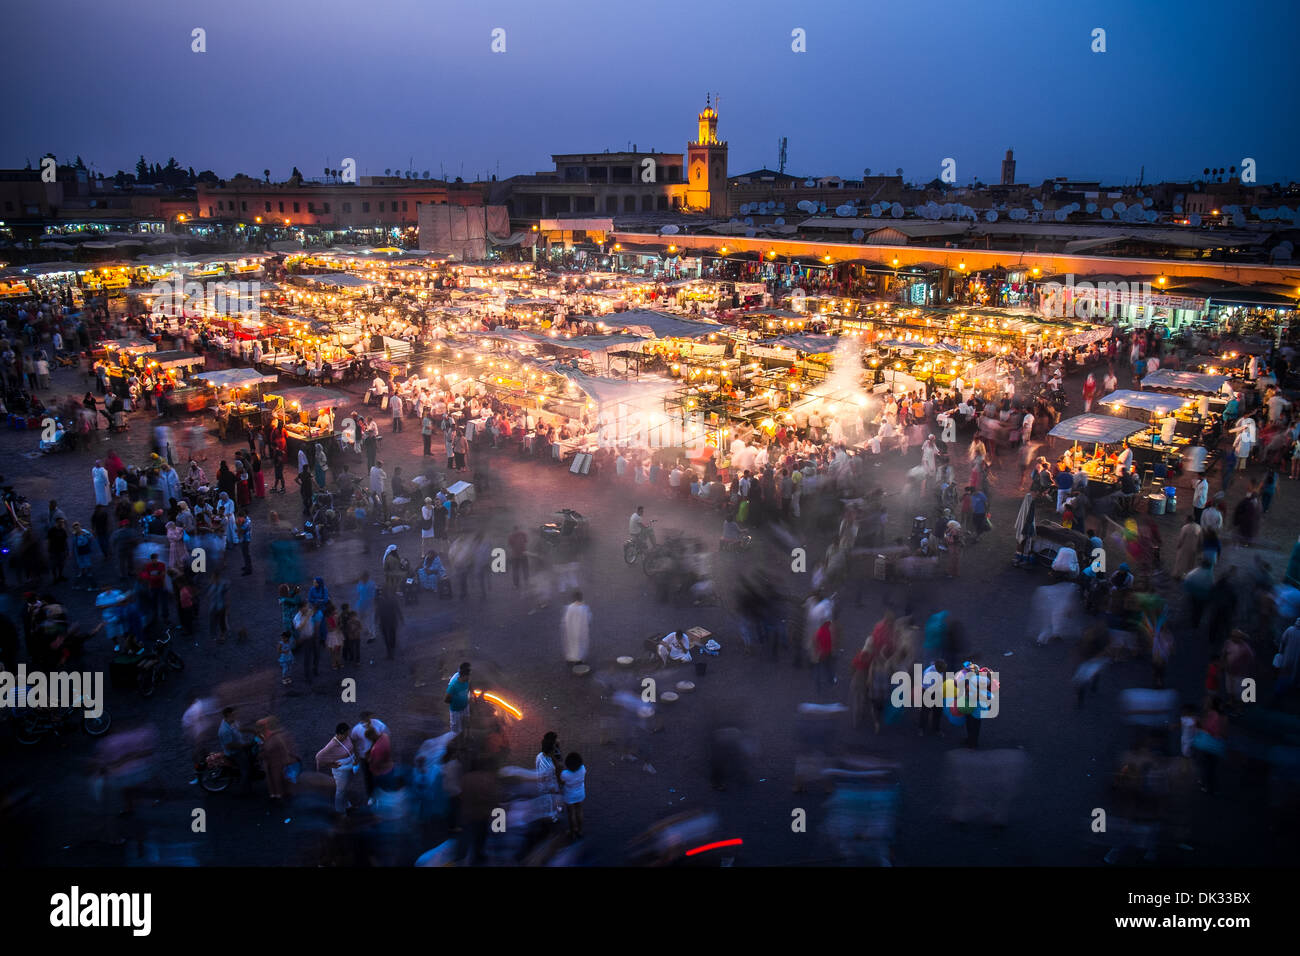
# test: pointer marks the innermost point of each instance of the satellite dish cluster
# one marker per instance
(1285, 213)
(948, 210)
(763, 208)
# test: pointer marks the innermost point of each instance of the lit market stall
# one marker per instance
(235, 394)
(118, 355)
(307, 413)
(1107, 435)
(172, 367)
(1215, 389)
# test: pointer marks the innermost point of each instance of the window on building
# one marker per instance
(311, 207)
(573, 174)
(365, 207)
(295, 207)
(403, 205)
(221, 204)
(327, 207)
(268, 207)
(621, 174)
(347, 207)
(281, 207)
(211, 212)
(243, 206)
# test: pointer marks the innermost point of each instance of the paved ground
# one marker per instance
(1070, 752)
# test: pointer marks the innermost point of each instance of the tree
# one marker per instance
(295, 175)
(267, 174)
(141, 170)
(79, 164)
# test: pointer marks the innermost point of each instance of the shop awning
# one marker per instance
(1157, 403)
(1170, 380)
(313, 399)
(810, 344)
(234, 377)
(174, 359)
(1104, 429)
(659, 325)
(131, 346)
(616, 391)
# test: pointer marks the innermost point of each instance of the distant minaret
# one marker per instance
(1008, 170)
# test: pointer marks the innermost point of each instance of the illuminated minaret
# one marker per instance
(706, 165)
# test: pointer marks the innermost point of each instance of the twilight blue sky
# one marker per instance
(1184, 84)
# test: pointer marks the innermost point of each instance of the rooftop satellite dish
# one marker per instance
(669, 230)
(749, 220)
(779, 221)
(1038, 205)
(810, 183)
(750, 233)
(1254, 210)
(1152, 215)
(780, 207)
(991, 216)
(1139, 194)
(821, 207)
(1108, 213)
(1268, 215)
(804, 206)
(1194, 219)
(875, 209)
(1119, 207)
(858, 234)
(744, 208)
(896, 210)
(1061, 215)
(1019, 214)
(1238, 218)
(946, 210)
(1178, 209)
(1286, 212)
(844, 210)
(1146, 203)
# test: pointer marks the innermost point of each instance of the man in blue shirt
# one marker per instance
(458, 691)
(979, 506)
(1064, 483)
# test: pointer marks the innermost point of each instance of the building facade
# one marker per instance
(373, 202)
(604, 184)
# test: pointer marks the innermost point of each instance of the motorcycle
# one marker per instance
(153, 665)
(33, 724)
(740, 544)
(218, 771)
(63, 440)
(567, 529)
